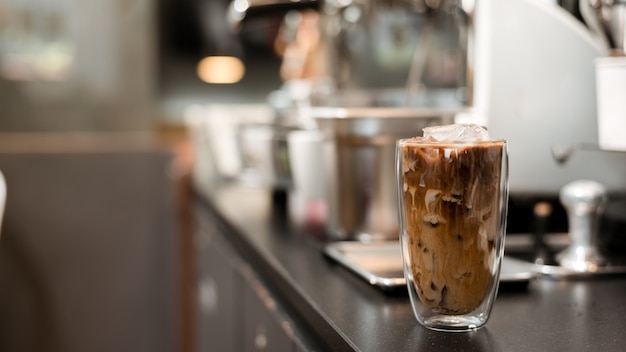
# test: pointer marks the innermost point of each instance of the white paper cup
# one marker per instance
(611, 99)
(307, 164)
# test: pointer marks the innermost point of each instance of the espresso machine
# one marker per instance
(523, 68)
(372, 72)
(391, 53)
(537, 84)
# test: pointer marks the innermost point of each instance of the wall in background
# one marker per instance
(111, 65)
(76, 65)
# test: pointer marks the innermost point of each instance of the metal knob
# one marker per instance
(584, 201)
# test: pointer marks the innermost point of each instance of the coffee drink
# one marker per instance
(452, 204)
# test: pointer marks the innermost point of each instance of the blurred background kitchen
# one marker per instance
(122, 65)
(96, 253)
(99, 99)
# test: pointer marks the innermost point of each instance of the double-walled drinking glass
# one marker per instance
(452, 215)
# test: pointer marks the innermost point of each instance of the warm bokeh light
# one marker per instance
(221, 69)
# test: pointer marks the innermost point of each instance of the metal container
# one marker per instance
(383, 47)
(359, 150)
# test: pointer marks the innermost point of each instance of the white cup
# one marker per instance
(611, 99)
(307, 164)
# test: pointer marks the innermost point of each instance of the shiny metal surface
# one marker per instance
(560, 272)
(417, 47)
(359, 151)
(607, 18)
(241, 10)
(395, 43)
(584, 201)
(380, 263)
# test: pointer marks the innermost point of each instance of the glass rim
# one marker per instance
(434, 143)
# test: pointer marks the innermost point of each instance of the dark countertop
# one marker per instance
(347, 313)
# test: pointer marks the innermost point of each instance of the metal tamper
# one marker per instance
(584, 201)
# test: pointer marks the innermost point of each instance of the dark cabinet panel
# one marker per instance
(263, 328)
(219, 290)
(237, 310)
(219, 293)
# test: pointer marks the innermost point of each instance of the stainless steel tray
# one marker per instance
(380, 263)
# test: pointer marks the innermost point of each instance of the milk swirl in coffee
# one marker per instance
(451, 180)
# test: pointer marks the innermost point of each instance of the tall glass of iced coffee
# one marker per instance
(453, 195)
